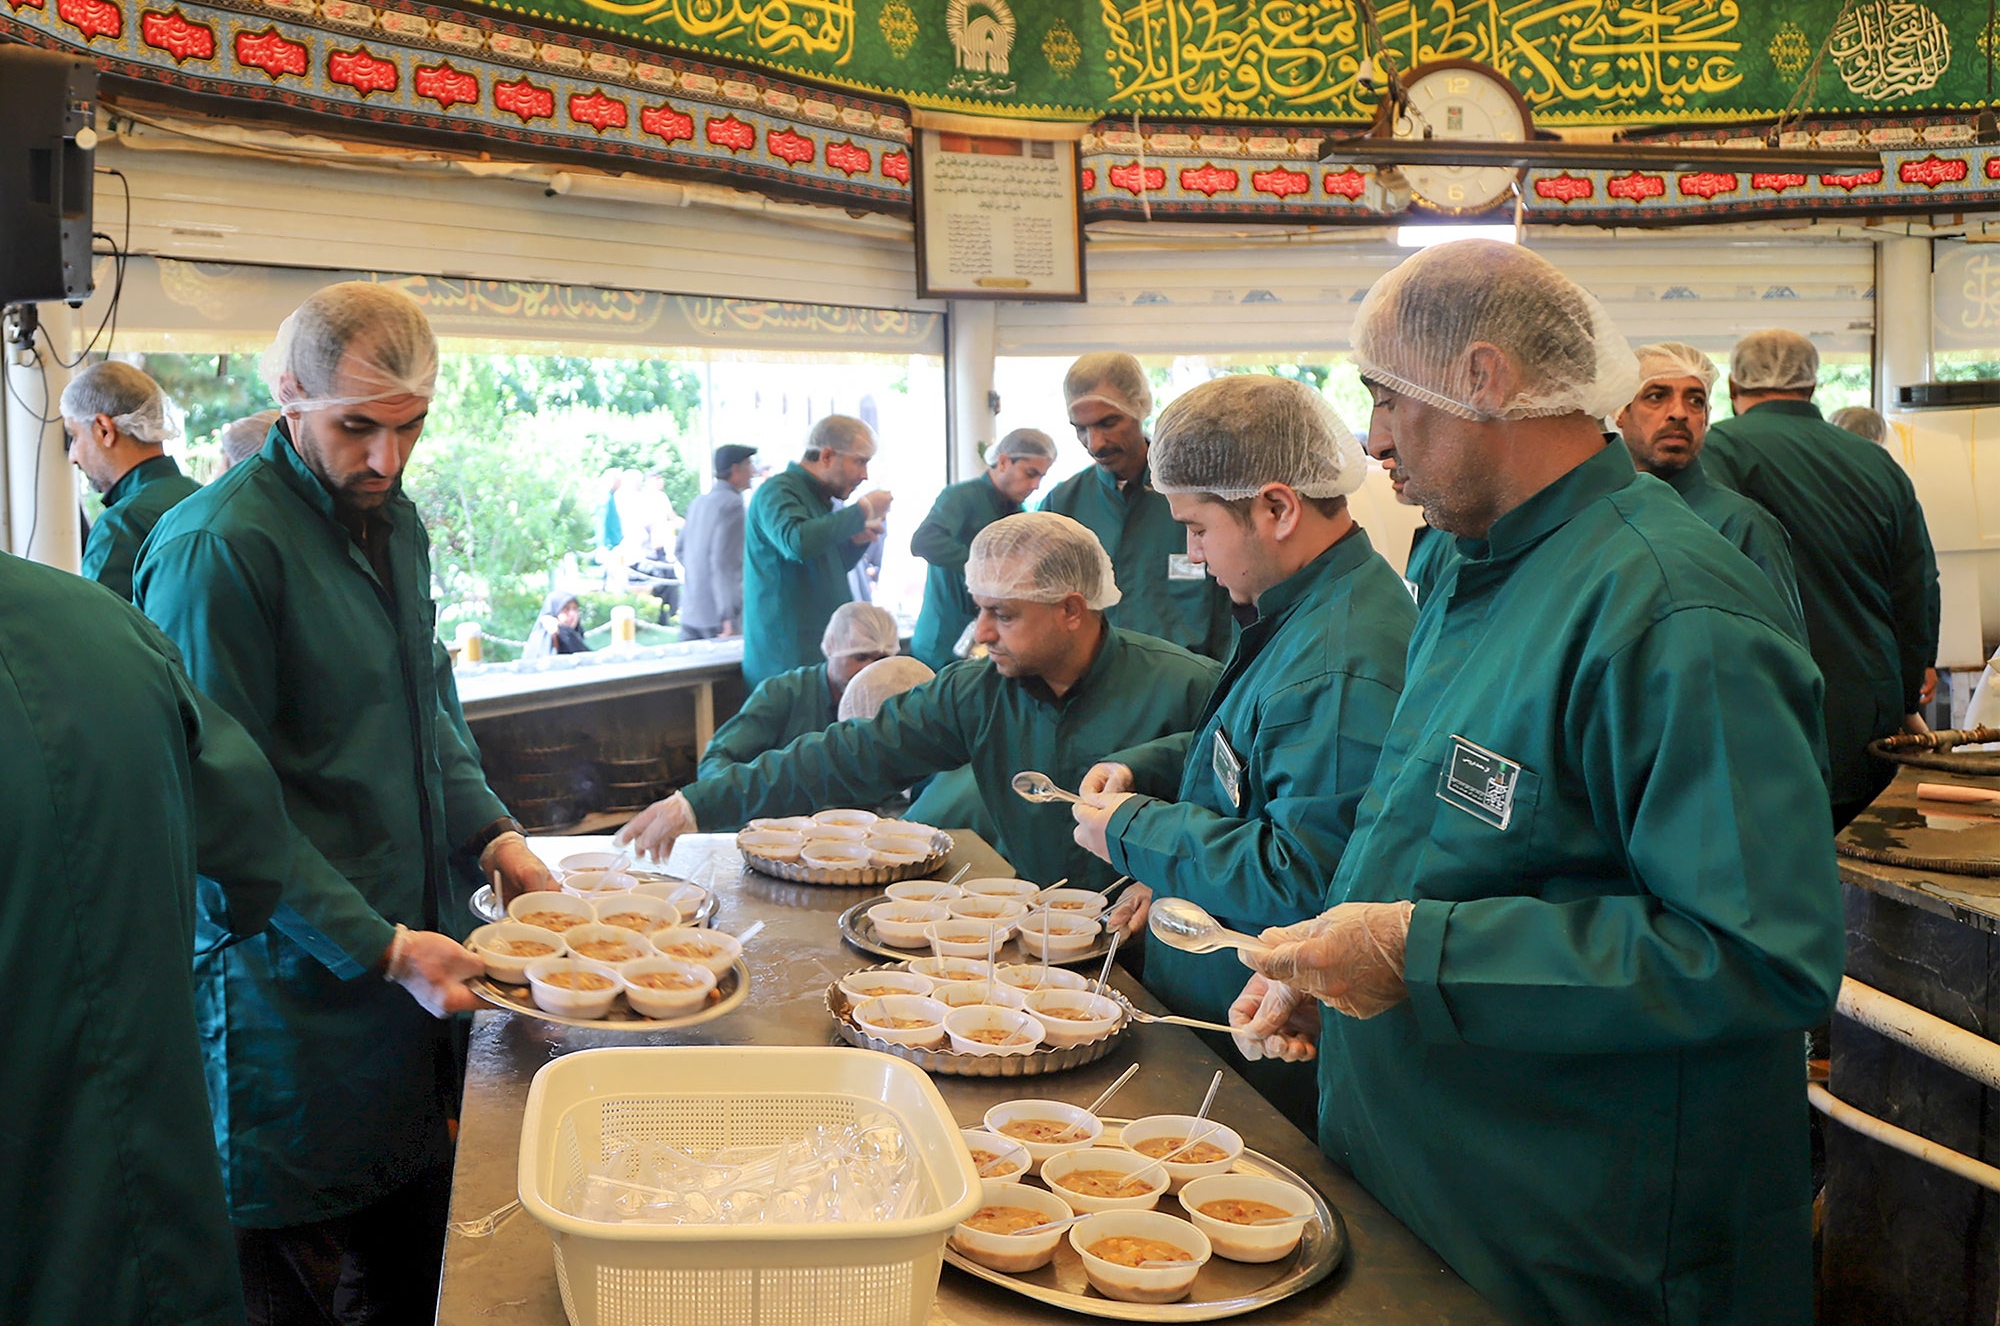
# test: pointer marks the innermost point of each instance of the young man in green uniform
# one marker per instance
(1166, 592)
(1591, 902)
(1867, 577)
(803, 700)
(117, 419)
(297, 586)
(1058, 690)
(1020, 459)
(798, 548)
(1664, 427)
(1248, 814)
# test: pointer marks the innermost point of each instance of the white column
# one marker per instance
(969, 363)
(1902, 316)
(41, 492)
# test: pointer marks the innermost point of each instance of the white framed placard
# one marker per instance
(997, 218)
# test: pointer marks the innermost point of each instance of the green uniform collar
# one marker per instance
(1554, 506)
(1348, 553)
(1108, 651)
(1142, 484)
(292, 469)
(825, 493)
(145, 472)
(1002, 503)
(1802, 409)
(1692, 479)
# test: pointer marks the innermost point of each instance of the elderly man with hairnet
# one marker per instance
(1248, 814)
(1590, 904)
(798, 546)
(1020, 460)
(1058, 689)
(117, 419)
(806, 699)
(1166, 592)
(298, 587)
(1868, 579)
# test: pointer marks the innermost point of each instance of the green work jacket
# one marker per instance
(1602, 791)
(1754, 531)
(945, 541)
(120, 779)
(796, 553)
(1136, 689)
(1261, 796)
(1868, 580)
(326, 1082)
(132, 506)
(1432, 555)
(1164, 593)
(787, 706)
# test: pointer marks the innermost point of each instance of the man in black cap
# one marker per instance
(711, 551)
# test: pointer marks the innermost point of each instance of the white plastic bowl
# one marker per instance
(1010, 1161)
(1140, 1284)
(638, 913)
(552, 907)
(869, 1013)
(861, 985)
(708, 948)
(964, 994)
(852, 834)
(966, 939)
(896, 853)
(569, 1002)
(1020, 890)
(1249, 1243)
(834, 855)
(1104, 1016)
(1022, 1033)
(1181, 1127)
(593, 884)
(924, 890)
(857, 818)
(1013, 1253)
(950, 969)
(581, 861)
(508, 967)
(1058, 934)
(1038, 976)
(987, 910)
(1073, 902)
(1087, 1127)
(650, 1002)
(687, 898)
(1129, 1167)
(786, 823)
(630, 943)
(771, 844)
(906, 924)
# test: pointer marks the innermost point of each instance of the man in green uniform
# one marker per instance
(797, 547)
(1166, 593)
(297, 586)
(1020, 459)
(1059, 689)
(1433, 553)
(117, 419)
(803, 700)
(1248, 814)
(1867, 577)
(1591, 902)
(1664, 427)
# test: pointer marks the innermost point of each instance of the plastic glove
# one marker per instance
(519, 869)
(1093, 817)
(875, 504)
(434, 969)
(1350, 956)
(1128, 918)
(1108, 777)
(653, 830)
(1276, 1021)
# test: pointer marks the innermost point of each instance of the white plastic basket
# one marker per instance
(882, 1274)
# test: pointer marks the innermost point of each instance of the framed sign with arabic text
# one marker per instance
(997, 218)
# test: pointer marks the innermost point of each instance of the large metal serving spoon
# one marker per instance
(1039, 787)
(1180, 924)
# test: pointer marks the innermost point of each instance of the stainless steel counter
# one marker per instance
(508, 1279)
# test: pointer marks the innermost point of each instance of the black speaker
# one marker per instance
(48, 103)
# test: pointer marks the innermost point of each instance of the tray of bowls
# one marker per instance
(1021, 922)
(601, 874)
(621, 960)
(963, 1017)
(1211, 1230)
(850, 848)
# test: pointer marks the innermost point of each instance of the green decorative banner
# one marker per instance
(1576, 61)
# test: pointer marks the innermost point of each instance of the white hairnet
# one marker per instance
(1415, 331)
(137, 406)
(244, 438)
(1232, 435)
(880, 680)
(1663, 360)
(1860, 421)
(1774, 360)
(1026, 442)
(1109, 378)
(1041, 557)
(395, 352)
(859, 628)
(843, 435)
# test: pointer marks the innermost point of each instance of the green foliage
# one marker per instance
(503, 507)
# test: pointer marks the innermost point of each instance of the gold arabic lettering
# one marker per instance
(808, 28)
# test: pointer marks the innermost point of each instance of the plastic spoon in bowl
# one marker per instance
(1181, 924)
(1104, 972)
(1039, 787)
(963, 871)
(1049, 1226)
(1100, 1102)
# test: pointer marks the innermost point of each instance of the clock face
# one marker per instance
(1461, 102)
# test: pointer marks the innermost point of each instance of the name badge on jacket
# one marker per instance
(1182, 567)
(1228, 771)
(1478, 782)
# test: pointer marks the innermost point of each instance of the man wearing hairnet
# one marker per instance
(1058, 689)
(803, 700)
(297, 587)
(798, 547)
(117, 419)
(1020, 459)
(1166, 592)
(1247, 815)
(1868, 580)
(1432, 552)
(1589, 905)
(1664, 427)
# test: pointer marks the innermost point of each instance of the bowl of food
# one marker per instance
(965, 939)
(665, 987)
(897, 853)
(826, 854)
(950, 969)
(608, 944)
(560, 912)
(771, 844)
(574, 987)
(1216, 1146)
(998, 1159)
(507, 947)
(964, 994)
(1248, 1217)
(687, 898)
(1041, 976)
(911, 1020)
(595, 884)
(1102, 1178)
(1058, 935)
(857, 819)
(1079, 902)
(1020, 890)
(784, 823)
(1140, 1256)
(906, 924)
(990, 911)
(1045, 1127)
(638, 913)
(836, 833)
(876, 984)
(709, 948)
(923, 890)
(992, 1235)
(577, 862)
(991, 1029)
(1074, 1017)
